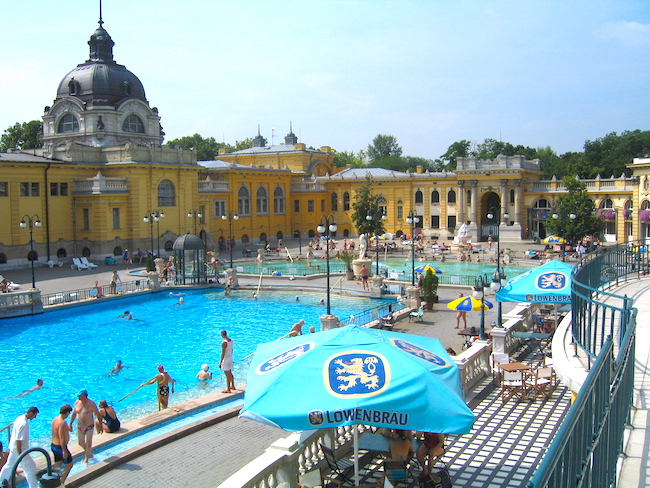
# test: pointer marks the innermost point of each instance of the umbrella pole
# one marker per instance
(355, 436)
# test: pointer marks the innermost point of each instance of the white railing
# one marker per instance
(210, 186)
(303, 186)
(474, 364)
(100, 184)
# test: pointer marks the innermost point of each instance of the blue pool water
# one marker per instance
(74, 349)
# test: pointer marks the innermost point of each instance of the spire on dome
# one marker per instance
(101, 44)
(290, 138)
(258, 140)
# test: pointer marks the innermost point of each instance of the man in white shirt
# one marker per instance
(20, 442)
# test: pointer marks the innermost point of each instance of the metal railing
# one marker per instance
(586, 448)
(61, 298)
(372, 314)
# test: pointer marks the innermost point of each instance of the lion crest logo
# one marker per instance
(356, 374)
(284, 357)
(552, 281)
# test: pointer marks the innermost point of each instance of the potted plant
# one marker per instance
(347, 257)
(430, 289)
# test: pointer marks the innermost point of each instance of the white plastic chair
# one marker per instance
(76, 263)
(84, 260)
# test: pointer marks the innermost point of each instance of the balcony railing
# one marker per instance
(99, 184)
(609, 185)
(210, 186)
(308, 187)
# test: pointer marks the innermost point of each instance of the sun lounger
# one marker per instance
(84, 260)
(77, 264)
(51, 263)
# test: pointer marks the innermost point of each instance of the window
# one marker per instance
(29, 189)
(296, 206)
(418, 197)
(243, 201)
(116, 218)
(435, 221)
(61, 253)
(68, 123)
(435, 196)
(166, 194)
(310, 206)
(169, 246)
(278, 200)
(400, 212)
(468, 200)
(263, 237)
(542, 204)
(133, 123)
(451, 221)
(58, 189)
(245, 239)
(262, 200)
(219, 208)
(610, 227)
(335, 202)
(608, 203)
(86, 219)
(3, 258)
(202, 212)
(382, 205)
(451, 196)
(322, 205)
(4, 189)
(512, 197)
(85, 252)
(117, 251)
(346, 201)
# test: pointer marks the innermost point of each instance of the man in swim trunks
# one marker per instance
(297, 328)
(117, 368)
(60, 439)
(87, 411)
(226, 362)
(163, 379)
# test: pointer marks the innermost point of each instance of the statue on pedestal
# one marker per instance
(362, 246)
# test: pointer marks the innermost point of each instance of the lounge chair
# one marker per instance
(10, 285)
(84, 260)
(51, 263)
(109, 260)
(417, 315)
(77, 264)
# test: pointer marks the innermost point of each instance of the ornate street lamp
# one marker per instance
(412, 219)
(31, 221)
(555, 216)
(326, 227)
(377, 218)
(480, 285)
(230, 216)
(152, 216)
(498, 278)
(195, 214)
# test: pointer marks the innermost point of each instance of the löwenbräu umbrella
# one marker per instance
(469, 303)
(356, 375)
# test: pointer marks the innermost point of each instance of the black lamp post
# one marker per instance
(31, 221)
(377, 218)
(412, 219)
(296, 233)
(195, 214)
(499, 278)
(563, 216)
(479, 293)
(154, 216)
(230, 216)
(326, 227)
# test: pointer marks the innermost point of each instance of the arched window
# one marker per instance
(607, 203)
(382, 205)
(133, 123)
(169, 245)
(278, 200)
(346, 201)
(243, 201)
(32, 256)
(61, 253)
(117, 251)
(263, 237)
(542, 204)
(244, 239)
(418, 197)
(435, 196)
(279, 235)
(86, 252)
(335, 202)
(166, 194)
(451, 196)
(262, 200)
(346, 233)
(68, 123)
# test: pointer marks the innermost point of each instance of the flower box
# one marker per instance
(606, 213)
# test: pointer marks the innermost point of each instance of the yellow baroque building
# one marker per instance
(103, 182)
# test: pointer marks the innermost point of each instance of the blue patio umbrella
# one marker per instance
(549, 283)
(356, 375)
(424, 267)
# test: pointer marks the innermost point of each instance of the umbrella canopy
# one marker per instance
(554, 239)
(549, 283)
(466, 304)
(356, 375)
(424, 267)
(377, 238)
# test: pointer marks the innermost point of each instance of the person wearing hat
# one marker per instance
(85, 411)
(163, 379)
(204, 375)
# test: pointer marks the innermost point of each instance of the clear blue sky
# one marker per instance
(429, 72)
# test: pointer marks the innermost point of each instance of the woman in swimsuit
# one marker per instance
(108, 418)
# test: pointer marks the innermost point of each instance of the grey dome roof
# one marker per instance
(100, 80)
(188, 242)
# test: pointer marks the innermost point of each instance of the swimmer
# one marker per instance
(297, 298)
(322, 301)
(37, 386)
(117, 368)
(253, 296)
(312, 329)
(203, 374)
(297, 328)
(172, 294)
(179, 302)
(126, 316)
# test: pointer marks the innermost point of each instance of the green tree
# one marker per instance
(365, 203)
(576, 202)
(27, 135)
(459, 149)
(206, 148)
(609, 155)
(343, 158)
(383, 146)
(239, 145)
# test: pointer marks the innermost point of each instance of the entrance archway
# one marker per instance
(489, 200)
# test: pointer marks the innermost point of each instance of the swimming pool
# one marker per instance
(75, 348)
